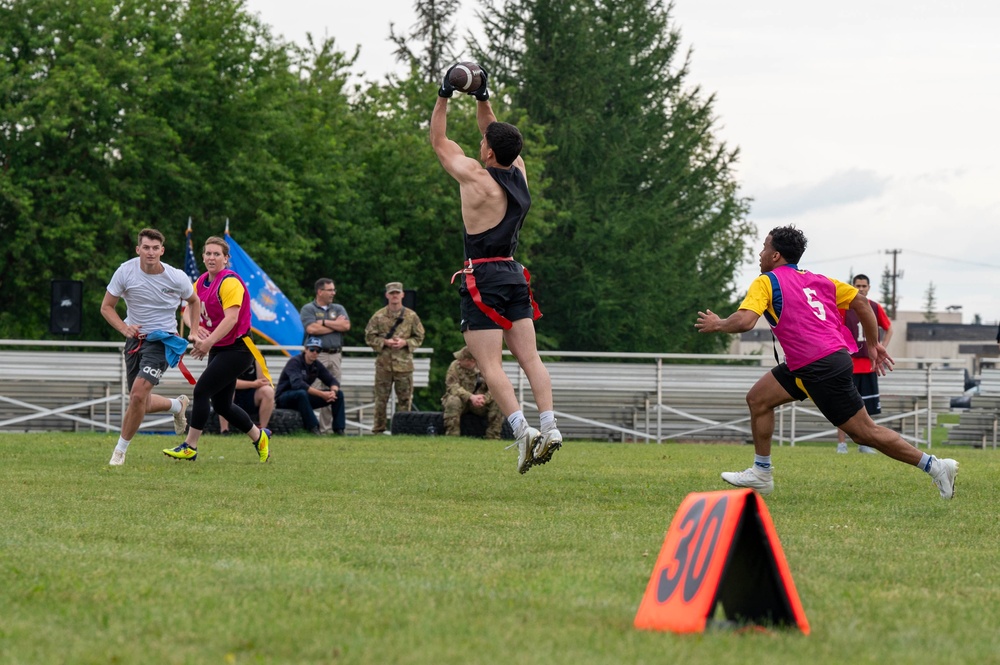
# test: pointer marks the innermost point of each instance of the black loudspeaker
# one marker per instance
(409, 299)
(66, 314)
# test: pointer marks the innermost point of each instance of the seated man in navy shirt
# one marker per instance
(295, 389)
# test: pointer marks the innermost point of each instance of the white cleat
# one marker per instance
(546, 444)
(117, 458)
(180, 418)
(842, 448)
(525, 438)
(867, 450)
(943, 472)
(761, 481)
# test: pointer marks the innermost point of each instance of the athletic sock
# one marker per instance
(516, 419)
(925, 462)
(175, 405)
(546, 420)
(762, 462)
(122, 444)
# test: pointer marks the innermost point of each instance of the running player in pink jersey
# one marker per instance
(802, 310)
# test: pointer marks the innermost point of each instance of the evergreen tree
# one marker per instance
(436, 29)
(930, 304)
(885, 287)
(650, 226)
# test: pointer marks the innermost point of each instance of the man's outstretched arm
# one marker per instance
(484, 115)
(739, 321)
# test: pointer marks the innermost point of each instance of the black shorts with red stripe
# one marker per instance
(511, 301)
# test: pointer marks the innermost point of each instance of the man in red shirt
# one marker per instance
(865, 377)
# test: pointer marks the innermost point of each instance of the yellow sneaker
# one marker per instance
(263, 445)
(183, 451)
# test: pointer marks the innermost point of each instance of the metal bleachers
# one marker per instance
(655, 401)
(979, 426)
(601, 396)
(60, 390)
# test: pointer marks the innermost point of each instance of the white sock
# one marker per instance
(546, 421)
(175, 405)
(925, 462)
(122, 444)
(516, 419)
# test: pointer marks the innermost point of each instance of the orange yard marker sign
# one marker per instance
(721, 550)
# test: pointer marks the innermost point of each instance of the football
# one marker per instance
(466, 76)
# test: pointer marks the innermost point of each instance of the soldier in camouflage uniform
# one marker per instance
(393, 332)
(466, 391)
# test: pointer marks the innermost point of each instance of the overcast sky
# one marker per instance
(870, 124)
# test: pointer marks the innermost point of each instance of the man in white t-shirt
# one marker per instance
(152, 291)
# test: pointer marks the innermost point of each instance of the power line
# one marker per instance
(954, 260)
(850, 257)
(853, 257)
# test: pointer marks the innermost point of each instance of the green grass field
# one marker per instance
(434, 550)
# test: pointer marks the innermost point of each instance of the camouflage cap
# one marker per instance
(394, 286)
(464, 354)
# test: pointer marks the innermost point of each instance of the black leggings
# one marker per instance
(217, 385)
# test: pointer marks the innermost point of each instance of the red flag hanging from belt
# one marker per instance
(470, 284)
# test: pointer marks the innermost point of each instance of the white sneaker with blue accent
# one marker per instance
(754, 478)
(943, 473)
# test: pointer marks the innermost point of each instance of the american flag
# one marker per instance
(190, 263)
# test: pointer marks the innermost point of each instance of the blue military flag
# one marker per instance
(274, 317)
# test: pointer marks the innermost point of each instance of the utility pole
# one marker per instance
(895, 274)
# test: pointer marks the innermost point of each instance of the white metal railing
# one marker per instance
(645, 374)
(662, 389)
(113, 382)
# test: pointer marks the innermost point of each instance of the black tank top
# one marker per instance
(501, 240)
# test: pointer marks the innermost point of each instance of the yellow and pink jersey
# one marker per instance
(802, 309)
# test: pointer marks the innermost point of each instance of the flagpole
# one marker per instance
(187, 237)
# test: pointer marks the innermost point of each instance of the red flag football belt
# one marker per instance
(470, 284)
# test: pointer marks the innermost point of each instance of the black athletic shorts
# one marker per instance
(149, 362)
(828, 382)
(867, 385)
(512, 301)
